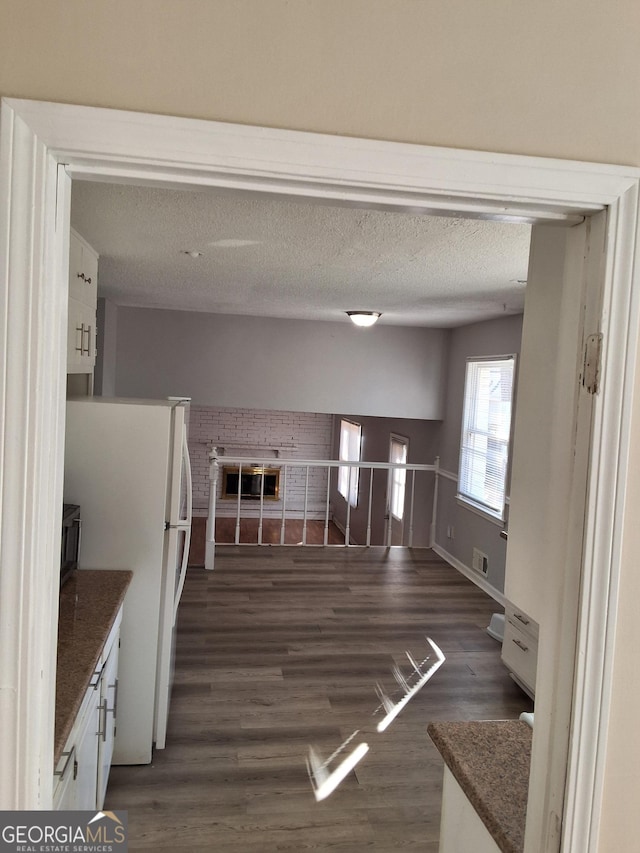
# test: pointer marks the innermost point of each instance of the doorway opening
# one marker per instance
(40, 140)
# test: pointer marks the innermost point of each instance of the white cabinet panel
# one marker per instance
(81, 775)
(86, 755)
(108, 713)
(461, 830)
(83, 300)
(520, 648)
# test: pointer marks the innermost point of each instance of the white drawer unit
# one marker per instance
(520, 648)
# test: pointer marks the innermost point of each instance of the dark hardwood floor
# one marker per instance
(226, 534)
(281, 648)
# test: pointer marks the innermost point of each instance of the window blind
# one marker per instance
(486, 430)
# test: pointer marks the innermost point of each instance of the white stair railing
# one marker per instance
(326, 466)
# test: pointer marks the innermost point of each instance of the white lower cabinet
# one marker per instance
(461, 830)
(520, 648)
(107, 729)
(85, 770)
(82, 773)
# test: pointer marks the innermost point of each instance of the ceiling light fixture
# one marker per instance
(233, 243)
(363, 318)
(193, 253)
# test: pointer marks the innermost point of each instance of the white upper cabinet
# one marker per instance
(83, 300)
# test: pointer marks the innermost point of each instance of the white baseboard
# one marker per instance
(341, 528)
(477, 579)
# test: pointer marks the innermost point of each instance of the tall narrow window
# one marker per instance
(486, 430)
(350, 446)
(398, 455)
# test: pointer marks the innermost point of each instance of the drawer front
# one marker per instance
(521, 621)
(520, 654)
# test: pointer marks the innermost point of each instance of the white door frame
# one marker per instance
(37, 139)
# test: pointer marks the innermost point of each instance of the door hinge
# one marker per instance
(591, 365)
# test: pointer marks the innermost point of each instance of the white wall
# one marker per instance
(288, 365)
(105, 370)
(494, 337)
(491, 74)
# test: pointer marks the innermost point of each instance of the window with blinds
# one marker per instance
(398, 456)
(350, 447)
(486, 432)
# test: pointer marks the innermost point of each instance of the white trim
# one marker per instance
(448, 475)
(467, 504)
(167, 150)
(469, 573)
(478, 509)
(33, 333)
(603, 528)
(103, 144)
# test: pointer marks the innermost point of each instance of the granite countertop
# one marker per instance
(490, 761)
(89, 604)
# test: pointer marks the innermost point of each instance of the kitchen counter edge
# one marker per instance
(89, 604)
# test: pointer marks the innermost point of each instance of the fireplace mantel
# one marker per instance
(251, 450)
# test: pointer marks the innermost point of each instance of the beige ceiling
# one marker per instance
(276, 257)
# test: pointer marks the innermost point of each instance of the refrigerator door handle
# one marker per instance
(186, 526)
(186, 461)
(183, 568)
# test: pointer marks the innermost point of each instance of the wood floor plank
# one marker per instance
(279, 649)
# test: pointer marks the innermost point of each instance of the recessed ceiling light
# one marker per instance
(363, 318)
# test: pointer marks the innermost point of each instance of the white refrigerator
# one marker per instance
(127, 468)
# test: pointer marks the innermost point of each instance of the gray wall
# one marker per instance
(494, 337)
(248, 362)
(376, 432)
(105, 371)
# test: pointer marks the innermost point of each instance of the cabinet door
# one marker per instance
(76, 284)
(81, 338)
(65, 790)
(83, 298)
(83, 272)
(87, 755)
(108, 712)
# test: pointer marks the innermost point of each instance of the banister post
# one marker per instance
(210, 542)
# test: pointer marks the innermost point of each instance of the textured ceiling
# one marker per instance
(275, 257)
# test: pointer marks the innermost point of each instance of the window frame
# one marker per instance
(404, 442)
(467, 499)
(348, 483)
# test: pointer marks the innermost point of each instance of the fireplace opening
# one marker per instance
(251, 481)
